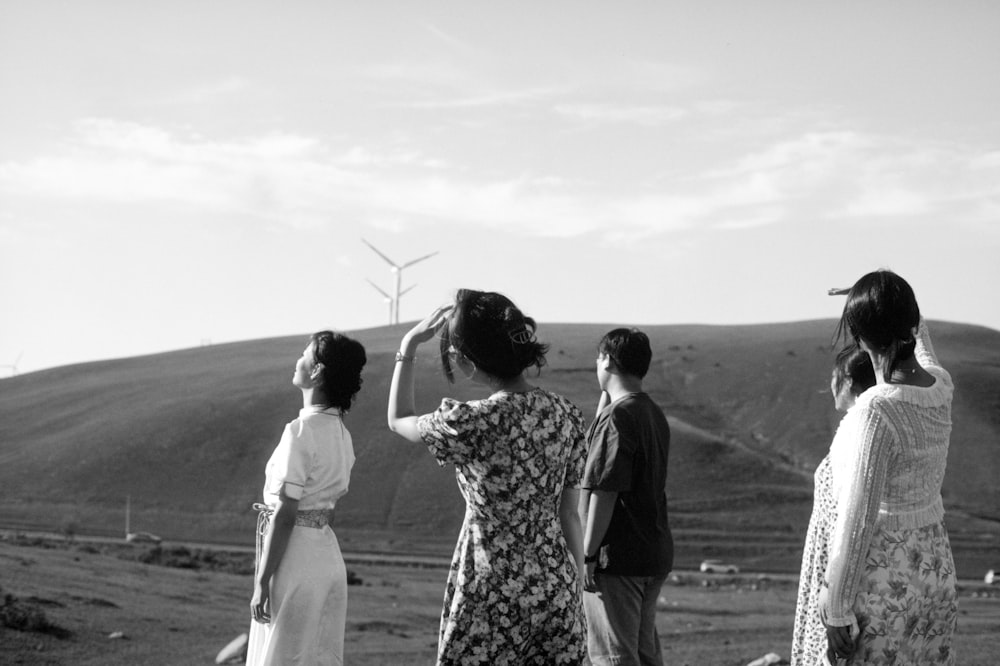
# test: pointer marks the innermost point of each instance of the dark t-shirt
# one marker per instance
(629, 443)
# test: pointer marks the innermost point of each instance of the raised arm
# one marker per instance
(401, 412)
(924, 350)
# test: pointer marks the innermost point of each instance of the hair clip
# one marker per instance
(522, 336)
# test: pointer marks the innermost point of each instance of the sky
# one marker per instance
(175, 174)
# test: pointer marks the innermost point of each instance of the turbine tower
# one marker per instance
(388, 298)
(397, 272)
(13, 366)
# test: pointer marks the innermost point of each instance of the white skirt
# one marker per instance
(308, 605)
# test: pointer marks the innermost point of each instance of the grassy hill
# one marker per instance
(187, 434)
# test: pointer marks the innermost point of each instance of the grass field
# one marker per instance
(749, 406)
(182, 616)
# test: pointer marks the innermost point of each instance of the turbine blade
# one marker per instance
(376, 251)
(426, 256)
(407, 289)
(379, 289)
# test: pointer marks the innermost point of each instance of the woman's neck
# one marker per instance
(908, 372)
(513, 385)
(314, 397)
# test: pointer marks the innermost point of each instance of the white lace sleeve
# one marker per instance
(864, 470)
(924, 350)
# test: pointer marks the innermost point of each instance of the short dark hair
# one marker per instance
(853, 368)
(489, 330)
(628, 349)
(342, 359)
(882, 310)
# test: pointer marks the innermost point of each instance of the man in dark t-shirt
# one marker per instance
(628, 547)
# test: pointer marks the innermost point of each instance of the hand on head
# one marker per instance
(431, 324)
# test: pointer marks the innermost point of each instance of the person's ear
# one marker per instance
(606, 363)
(317, 373)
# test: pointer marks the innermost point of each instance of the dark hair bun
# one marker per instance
(343, 360)
(492, 332)
(882, 310)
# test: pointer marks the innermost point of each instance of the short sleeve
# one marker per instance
(291, 461)
(610, 456)
(577, 438)
(452, 431)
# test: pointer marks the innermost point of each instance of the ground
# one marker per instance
(182, 616)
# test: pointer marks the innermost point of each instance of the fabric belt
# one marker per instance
(911, 515)
(315, 518)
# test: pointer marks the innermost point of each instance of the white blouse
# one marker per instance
(888, 461)
(312, 461)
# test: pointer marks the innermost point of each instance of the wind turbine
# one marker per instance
(387, 297)
(397, 272)
(13, 366)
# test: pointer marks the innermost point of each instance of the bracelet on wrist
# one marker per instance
(400, 356)
(590, 559)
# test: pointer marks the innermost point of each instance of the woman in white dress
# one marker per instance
(890, 580)
(852, 375)
(299, 604)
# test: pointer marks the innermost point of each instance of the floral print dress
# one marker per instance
(513, 592)
(906, 600)
(809, 637)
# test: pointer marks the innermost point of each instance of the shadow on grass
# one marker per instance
(25, 615)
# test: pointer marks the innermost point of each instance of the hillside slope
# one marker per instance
(186, 434)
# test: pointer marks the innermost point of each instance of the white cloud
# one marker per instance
(463, 47)
(298, 181)
(302, 181)
(489, 98)
(987, 161)
(652, 75)
(855, 176)
(360, 156)
(415, 74)
(612, 113)
(207, 93)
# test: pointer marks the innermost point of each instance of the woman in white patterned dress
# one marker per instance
(299, 604)
(852, 375)
(890, 580)
(514, 592)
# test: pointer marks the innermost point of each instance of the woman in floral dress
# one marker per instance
(889, 595)
(514, 592)
(852, 375)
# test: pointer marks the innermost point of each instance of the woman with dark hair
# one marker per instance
(513, 594)
(299, 604)
(852, 375)
(889, 594)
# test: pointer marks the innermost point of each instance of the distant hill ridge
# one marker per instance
(187, 433)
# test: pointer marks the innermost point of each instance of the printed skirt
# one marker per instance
(906, 604)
